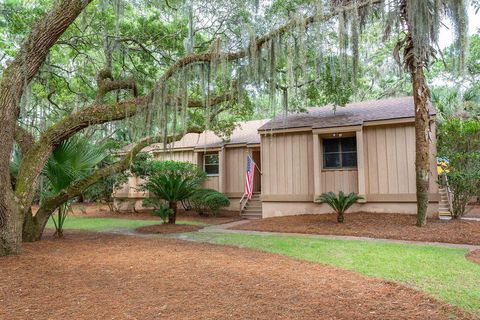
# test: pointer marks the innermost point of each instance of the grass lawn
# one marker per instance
(106, 224)
(442, 272)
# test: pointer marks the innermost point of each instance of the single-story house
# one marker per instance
(366, 147)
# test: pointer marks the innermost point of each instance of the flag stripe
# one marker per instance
(249, 174)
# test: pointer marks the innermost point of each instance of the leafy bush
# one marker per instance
(339, 204)
(163, 212)
(459, 142)
(173, 182)
(209, 200)
(71, 161)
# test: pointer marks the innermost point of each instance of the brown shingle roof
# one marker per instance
(349, 115)
(244, 133)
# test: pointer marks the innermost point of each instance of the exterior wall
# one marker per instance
(335, 180)
(211, 182)
(389, 154)
(234, 173)
(385, 173)
(287, 166)
(276, 209)
(183, 155)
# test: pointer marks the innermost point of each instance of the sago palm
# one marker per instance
(339, 204)
(171, 188)
(71, 161)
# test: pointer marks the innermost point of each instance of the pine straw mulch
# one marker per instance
(182, 215)
(167, 228)
(374, 225)
(474, 256)
(105, 276)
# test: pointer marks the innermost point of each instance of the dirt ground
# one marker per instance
(168, 228)
(102, 276)
(103, 211)
(474, 256)
(375, 225)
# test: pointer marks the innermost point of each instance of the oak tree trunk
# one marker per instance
(16, 77)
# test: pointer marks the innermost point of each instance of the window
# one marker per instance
(210, 163)
(340, 153)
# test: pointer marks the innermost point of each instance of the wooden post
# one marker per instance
(221, 170)
(317, 171)
(361, 166)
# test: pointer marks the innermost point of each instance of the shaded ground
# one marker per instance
(99, 276)
(375, 225)
(474, 256)
(168, 228)
(102, 211)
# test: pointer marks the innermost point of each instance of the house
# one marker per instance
(366, 147)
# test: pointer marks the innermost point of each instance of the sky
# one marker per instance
(446, 35)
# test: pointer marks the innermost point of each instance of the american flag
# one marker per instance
(249, 178)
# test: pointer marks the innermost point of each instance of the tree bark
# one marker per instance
(172, 217)
(16, 77)
(34, 225)
(421, 95)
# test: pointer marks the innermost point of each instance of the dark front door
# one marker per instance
(257, 178)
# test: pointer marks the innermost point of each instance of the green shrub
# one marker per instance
(172, 182)
(209, 200)
(339, 204)
(459, 142)
(163, 212)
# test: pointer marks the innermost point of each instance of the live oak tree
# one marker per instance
(195, 83)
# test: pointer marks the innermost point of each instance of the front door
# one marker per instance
(257, 178)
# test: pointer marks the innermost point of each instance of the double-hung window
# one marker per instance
(210, 164)
(340, 153)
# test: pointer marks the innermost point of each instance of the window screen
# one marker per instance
(210, 163)
(340, 153)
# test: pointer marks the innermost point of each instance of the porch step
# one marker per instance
(443, 205)
(251, 215)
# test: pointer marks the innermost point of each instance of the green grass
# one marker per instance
(442, 272)
(106, 224)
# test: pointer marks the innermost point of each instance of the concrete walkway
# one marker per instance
(225, 228)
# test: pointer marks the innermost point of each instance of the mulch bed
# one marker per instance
(474, 256)
(105, 276)
(168, 228)
(101, 211)
(374, 225)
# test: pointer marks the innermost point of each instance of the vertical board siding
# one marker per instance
(235, 163)
(390, 159)
(211, 183)
(287, 164)
(184, 156)
(339, 180)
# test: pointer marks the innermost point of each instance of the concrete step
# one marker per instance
(251, 216)
(252, 211)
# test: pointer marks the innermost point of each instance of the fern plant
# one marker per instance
(339, 204)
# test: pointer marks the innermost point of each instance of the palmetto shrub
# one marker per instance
(71, 161)
(339, 204)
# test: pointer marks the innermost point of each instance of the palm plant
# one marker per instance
(339, 204)
(71, 161)
(171, 188)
